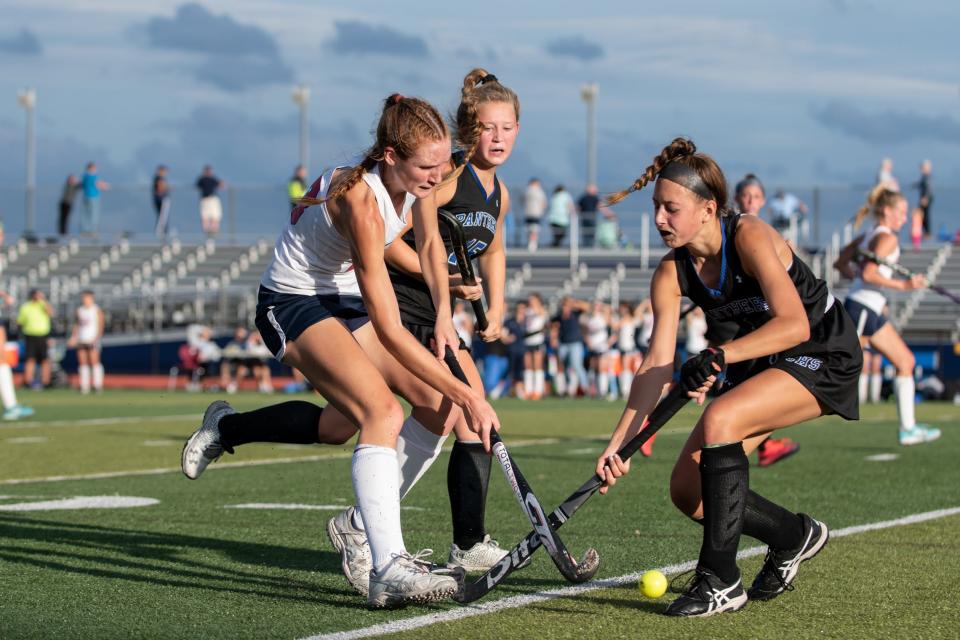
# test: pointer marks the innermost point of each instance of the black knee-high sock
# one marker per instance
(724, 480)
(468, 476)
(771, 524)
(293, 422)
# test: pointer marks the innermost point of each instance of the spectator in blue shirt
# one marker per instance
(92, 185)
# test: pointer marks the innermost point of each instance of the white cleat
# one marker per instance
(482, 556)
(354, 549)
(919, 434)
(204, 445)
(408, 579)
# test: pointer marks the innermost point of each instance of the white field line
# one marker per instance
(94, 422)
(222, 465)
(469, 611)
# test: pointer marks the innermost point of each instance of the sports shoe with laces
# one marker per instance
(204, 446)
(480, 557)
(775, 450)
(919, 434)
(706, 594)
(780, 567)
(409, 579)
(354, 549)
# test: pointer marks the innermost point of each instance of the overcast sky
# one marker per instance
(800, 93)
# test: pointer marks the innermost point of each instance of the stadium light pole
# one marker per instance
(27, 98)
(589, 94)
(301, 97)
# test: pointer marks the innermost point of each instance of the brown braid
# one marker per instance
(479, 87)
(405, 123)
(679, 148)
(682, 150)
(878, 198)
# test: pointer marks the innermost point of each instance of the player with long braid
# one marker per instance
(796, 357)
(326, 307)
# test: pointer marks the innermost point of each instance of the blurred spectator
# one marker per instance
(534, 342)
(885, 175)
(463, 322)
(86, 336)
(787, 215)
(70, 188)
(34, 320)
(496, 363)
(8, 393)
(208, 354)
(211, 211)
(92, 186)
(570, 344)
(916, 227)
(588, 204)
(561, 210)
(245, 355)
(297, 186)
(534, 205)
(161, 201)
(925, 187)
(515, 327)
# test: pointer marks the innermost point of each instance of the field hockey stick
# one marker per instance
(673, 402)
(571, 569)
(459, 243)
(906, 273)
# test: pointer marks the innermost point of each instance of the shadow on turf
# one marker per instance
(173, 560)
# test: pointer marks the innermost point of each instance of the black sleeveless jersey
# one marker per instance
(738, 302)
(478, 212)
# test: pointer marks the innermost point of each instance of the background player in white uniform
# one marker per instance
(327, 307)
(866, 301)
(627, 325)
(535, 347)
(86, 336)
(8, 394)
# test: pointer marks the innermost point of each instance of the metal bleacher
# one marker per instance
(150, 286)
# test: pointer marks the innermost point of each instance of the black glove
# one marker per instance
(695, 371)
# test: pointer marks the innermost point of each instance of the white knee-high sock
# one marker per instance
(8, 394)
(528, 389)
(862, 387)
(876, 384)
(905, 390)
(84, 378)
(626, 381)
(560, 383)
(98, 376)
(539, 382)
(417, 448)
(602, 384)
(376, 483)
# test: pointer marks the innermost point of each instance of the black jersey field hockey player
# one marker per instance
(795, 358)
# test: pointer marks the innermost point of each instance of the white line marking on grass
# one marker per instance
(512, 602)
(93, 422)
(883, 457)
(160, 443)
(27, 440)
(292, 506)
(220, 465)
(82, 502)
(584, 451)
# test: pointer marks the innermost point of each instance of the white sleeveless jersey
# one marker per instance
(869, 295)
(88, 324)
(597, 333)
(311, 257)
(627, 339)
(535, 326)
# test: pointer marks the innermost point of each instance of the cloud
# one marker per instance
(196, 30)
(886, 126)
(24, 43)
(575, 47)
(234, 56)
(229, 74)
(360, 38)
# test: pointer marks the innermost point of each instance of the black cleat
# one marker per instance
(780, 567)
(706, 594)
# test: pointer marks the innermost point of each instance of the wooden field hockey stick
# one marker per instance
(906, 273)
(471, 591)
